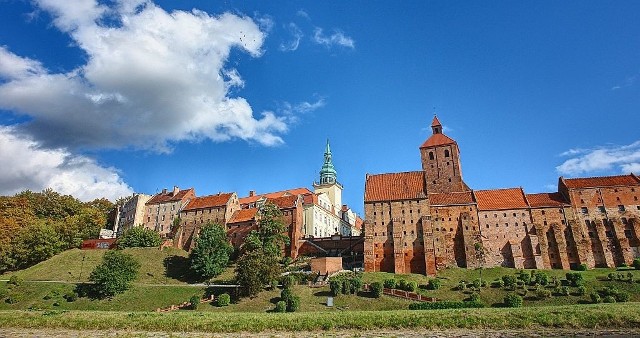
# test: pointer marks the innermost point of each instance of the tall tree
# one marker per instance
(211, 252)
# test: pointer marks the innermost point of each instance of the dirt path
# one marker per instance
(24, 333)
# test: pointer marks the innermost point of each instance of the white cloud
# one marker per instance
(622, 159)
(337, 38)
(27, 166)
(296, 36)
(151, 78)
(628, 82)
(292, 111)
(303, 14)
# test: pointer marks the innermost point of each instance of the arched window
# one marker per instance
(446, 153)
(431, 155)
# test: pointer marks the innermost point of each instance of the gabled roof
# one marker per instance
(168, 196)
(276, 194)
(500, 199)
(394, 186)
(437, 140)
(603, 181)
(546, 199)
(210, 201)
(243, 215)
(284, 202)
(453, 198)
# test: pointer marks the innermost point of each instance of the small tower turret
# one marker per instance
(329, 181)
(441, 162)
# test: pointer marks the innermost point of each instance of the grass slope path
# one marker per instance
(600, 316)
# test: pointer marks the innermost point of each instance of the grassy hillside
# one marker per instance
(167, 266)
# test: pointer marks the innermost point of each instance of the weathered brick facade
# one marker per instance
(163, 208)
(216, 209)
(426, 220)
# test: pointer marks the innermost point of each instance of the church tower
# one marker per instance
(328, 180)
(441, 162)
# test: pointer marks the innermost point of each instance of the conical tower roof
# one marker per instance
(328, 174)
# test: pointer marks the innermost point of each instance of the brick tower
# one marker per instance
(441, 162)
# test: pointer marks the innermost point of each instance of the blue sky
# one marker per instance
(105, 99)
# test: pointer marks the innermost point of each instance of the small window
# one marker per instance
(602, 209)
(621, 208)
(584, 210)
(542, 213)
(431, 155)
(446, 153)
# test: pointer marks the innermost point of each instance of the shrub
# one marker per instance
(434, 284)
(115, 274)
(15, 280)
(194, 301)
(210, 255)
(477, 283)
(582, 267)
(575, 278)
(288, 281)
(390, 283)
(346, 286)
(564, 290)
(402, 284)
(582, 290)
(524, 277)
(336, 287)
(223, 300)
(475, 297)
(293, 304)
(498, 283)
(462, 285)
(611, 276)
(286, 294)
(281, 306)
(357, 283)
(71, 296)
(629, 277)
(376, 289)
(3, 293)
(595, 297)
(11, 300)
(541, 278)
(542, 293)
(621, 297)
(509, 281)
(555, 281)
(609, 299)
(636, 263)
(139, 237)
(411, 286)
(512, 300)
(445, 305)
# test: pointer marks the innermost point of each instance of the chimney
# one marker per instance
(252, 193)
(175, 190)
(164, 191)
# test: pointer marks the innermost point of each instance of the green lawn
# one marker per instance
(601, 316)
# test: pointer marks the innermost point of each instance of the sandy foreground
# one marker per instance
(23, 333)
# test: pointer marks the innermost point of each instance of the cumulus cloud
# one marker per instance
(623, 159)
(27, 166)
(296, 36)
(151, 78)
(337, 38)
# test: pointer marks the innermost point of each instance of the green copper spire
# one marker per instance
(328, 172)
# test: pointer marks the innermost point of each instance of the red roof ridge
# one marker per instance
(209, 201)
(601, 181)
(501, 199)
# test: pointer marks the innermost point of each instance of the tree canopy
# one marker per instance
(36, 226)
(210, 255)
(139, 237)
(115, 274)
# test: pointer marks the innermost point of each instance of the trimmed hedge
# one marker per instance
(445, 305)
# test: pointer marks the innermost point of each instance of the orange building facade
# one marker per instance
(423, 221)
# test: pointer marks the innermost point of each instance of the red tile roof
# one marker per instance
(553, 199)
(435, 122)
(394, 186)
(209, 201)
(437, 140)
(454, 198)
(295, 192)
(603, 181)
(500, 199)
(244, 215)
(284, 202)
(165, 197)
